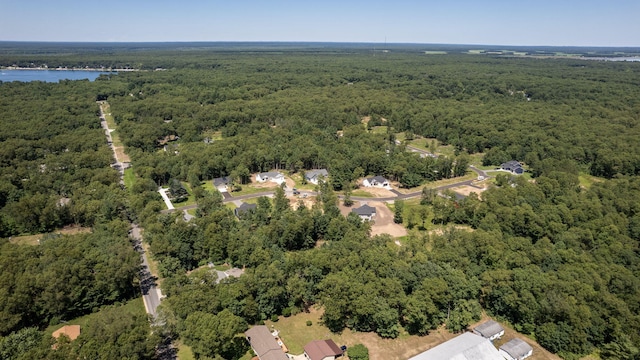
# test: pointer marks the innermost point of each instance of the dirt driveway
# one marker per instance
(383, 223)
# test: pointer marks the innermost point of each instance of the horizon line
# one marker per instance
(309, 42)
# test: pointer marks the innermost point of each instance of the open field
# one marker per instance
(296, 334)
(35, 239)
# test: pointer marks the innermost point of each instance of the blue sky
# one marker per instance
(496, 22)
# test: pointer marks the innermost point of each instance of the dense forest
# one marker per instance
(557, 260)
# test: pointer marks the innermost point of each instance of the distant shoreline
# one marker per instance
(66, 69)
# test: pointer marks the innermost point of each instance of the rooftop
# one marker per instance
(517, 348)
(467, 346)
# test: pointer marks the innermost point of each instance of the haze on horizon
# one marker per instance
(492, 22)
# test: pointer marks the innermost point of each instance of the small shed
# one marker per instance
(490, 330)
(322, 350)
(516, 349)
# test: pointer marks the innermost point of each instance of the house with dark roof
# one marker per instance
(513, 167)
(264, 344)
(516, 349)
(467, 346)
(365, 212)
(313, 176)
(243, 208)
(273, 176)
(489, 329)
(376, 181)
(322, 350)
(221, 183)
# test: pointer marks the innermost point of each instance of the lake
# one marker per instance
(8, 75)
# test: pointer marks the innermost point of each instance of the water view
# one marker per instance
(8, 75)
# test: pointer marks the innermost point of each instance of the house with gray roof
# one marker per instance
(489, 329)
(513, 167)
(516, 349)
(467, 346)
(313, 176)
(273, 176)
(243, 208)
(365, 212)
(221, 183)
(376, 181)
(264, 344)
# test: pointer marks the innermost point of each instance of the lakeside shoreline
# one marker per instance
(67, 69)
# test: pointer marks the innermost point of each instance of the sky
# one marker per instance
(490, 22)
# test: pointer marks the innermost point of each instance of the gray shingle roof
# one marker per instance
(364, 210)
(311, 174)
(270, 174)
(264, 344)
(488, 328)
(221, 181)
(517, 348)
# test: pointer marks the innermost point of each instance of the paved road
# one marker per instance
(150, 293)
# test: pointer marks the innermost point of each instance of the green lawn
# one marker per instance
(361, 193)
(379, 129)
(297, 178)
(248, 189)
(184, 352)
(129, 178)
(587, 180)
(135, 306)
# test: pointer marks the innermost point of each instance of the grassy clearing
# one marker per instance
(295, 334)
(249, 189)
(586, 180)
(129, 178)
(135, 306)
(435, 52)
(35, 239)
(379, 129)
(184, 351)
(361, 193)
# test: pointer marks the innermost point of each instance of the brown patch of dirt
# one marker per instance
(122, 156)
(466, 190)
(309, 201)
(290, 183)
(440, 231)
(366, 119)
(383, 222)
(377, 192)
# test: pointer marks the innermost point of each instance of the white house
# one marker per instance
(313, 176)
(489, 329)
(221, 183)
(516, 349)
(273, 176)
(376, 181)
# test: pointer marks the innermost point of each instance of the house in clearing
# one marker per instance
(221, 183)
(516, 349)
(365, 212)
(243, 208)
(264, 344)
(513, 167)
(273, 176)
(313, 176)
(490, 330)
(322, 350)
(376, 181)
(467, 346)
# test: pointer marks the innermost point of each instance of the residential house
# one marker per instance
(516, 349)
(264, 344)
(467, 346)
(365, 212)
(513, 167)
(313, 176)
(273, 176)
(490, 330)
(221, 183)
(376, 181)
(322, 350)
(243, 208)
